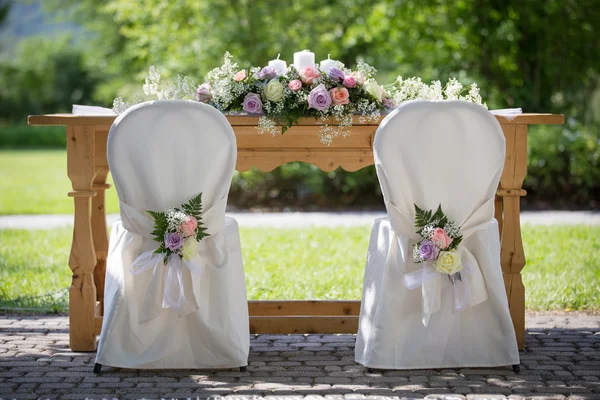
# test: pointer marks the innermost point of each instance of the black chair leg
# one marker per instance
(97, 368)
(517, 368)
(244, 369)
(370, 370)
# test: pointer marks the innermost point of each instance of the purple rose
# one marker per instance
(267, 73)
(428, 251)
(319, 98)
(252, 103)
(173, 241)
(336, 74)
(203, 94)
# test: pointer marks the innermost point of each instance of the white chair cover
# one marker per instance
(431, 153)
(194, 315)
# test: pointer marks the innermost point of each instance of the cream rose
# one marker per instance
(189, 249)
(274, 90)
(374, 89)
(448, 262)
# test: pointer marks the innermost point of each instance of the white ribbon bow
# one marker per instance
(169, 287)
(469, 291)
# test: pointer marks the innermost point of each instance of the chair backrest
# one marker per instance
(450, 153)
(163, 153)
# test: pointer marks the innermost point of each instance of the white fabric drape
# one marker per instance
(191, 314)
(430, 153)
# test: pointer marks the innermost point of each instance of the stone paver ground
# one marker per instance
(562, 360)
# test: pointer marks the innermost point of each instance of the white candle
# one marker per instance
(304, 59)
(326, 65)
(278, 65)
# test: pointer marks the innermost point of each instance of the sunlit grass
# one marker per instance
(36, 182)
(563, 269)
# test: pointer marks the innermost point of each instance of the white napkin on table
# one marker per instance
(508, 113)
(91, 110)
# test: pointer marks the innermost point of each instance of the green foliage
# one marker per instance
(161, 226)
(32, 137)
(564, 159)
(426, 217)
(299, 185)
(43, 77)
(543, 56)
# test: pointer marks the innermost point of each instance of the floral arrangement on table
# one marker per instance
(440, 238)
(178, 230)
(281, 94)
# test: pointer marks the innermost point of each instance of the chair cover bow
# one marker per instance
(169, 286)
(468, 291)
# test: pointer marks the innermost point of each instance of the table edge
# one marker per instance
(247, 120)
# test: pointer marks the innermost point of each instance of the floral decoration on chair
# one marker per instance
(179, 229)
(440, 238)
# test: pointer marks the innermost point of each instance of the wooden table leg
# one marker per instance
(82, 293)
(512, 256)
(498, 212)
(99, 214)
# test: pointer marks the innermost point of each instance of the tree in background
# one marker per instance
(41, 78)
(543, 56)
(4, 9)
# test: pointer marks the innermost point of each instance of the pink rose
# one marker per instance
(188, 227)
(440, 238)
(240, 76)
(295, 85)
(308, 74)
(350, 81)
(339, 96)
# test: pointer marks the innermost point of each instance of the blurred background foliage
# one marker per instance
(542, 56)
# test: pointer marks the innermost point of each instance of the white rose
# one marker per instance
(189, 249)
(374, 89)
(448, 262)
(274, 90)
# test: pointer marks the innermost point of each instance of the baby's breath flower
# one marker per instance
(452, 230)
(417, 254)
(453, 89)
(175, 218)
(366, 70)
(266, 125)
(428, 230)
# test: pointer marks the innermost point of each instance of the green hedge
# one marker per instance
(32, 137)
(564, 165)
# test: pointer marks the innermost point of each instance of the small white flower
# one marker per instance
(374, 89)
(452, 230)
(453, 89)
(266, 125)
(417, 254)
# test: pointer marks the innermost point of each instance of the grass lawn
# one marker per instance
(36, 182)
(563, 270)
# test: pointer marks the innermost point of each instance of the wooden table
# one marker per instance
(87, 169)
